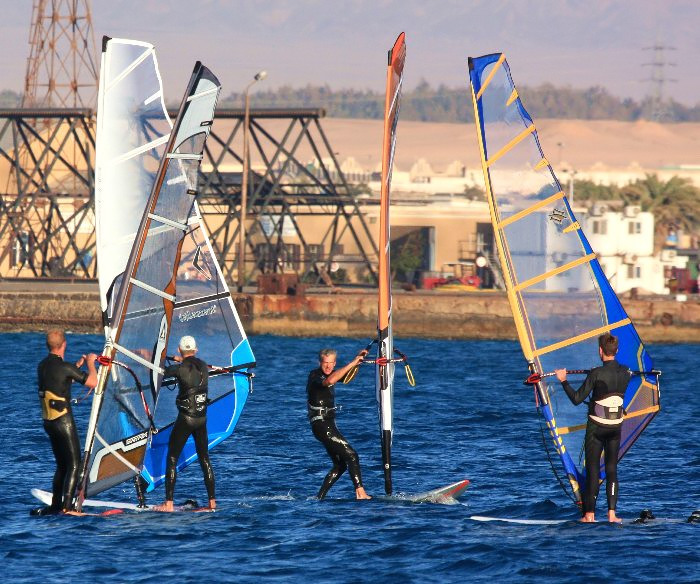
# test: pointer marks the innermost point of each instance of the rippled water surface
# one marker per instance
(469, 417)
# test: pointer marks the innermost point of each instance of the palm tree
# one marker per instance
(674, 203)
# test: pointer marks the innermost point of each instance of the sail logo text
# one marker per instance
(136, 438)
(190, 314)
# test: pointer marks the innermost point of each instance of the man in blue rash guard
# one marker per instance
(321, 411)
(55, 378)
(605, 415)
(192, 376)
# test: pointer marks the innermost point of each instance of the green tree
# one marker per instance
(675, 204)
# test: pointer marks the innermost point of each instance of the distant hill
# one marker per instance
(444, 104)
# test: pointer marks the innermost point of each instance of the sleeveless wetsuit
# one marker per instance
(55, 377)
(321, 411)
(192, 376)
(607, 384)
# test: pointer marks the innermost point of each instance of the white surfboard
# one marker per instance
(446, 495)
(45, 498)
(521, 521)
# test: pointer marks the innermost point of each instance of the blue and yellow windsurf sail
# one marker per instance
(559, 295)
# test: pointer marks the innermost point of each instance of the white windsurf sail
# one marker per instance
(140, 295)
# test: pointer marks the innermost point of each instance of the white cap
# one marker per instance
(187, 344)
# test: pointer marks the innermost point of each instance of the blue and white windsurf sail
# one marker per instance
(559, 295)
(168, 284)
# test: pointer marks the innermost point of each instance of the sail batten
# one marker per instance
(560, 298)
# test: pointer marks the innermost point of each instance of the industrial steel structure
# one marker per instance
(46, 198)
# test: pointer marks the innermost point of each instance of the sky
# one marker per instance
(344, 44)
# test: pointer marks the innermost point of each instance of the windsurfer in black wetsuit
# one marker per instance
(55, 377)
(192, 376)
(321, 411)
(605, 415)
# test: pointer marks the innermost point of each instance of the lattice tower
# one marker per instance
(61, 68)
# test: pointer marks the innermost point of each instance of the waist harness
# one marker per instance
(195, 402)
(607, 411)
(52, 405)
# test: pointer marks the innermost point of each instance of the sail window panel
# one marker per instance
(198, 111)
(193, 144)
(197, 275)
(557, 317)
(503, 121)
(123, 425)
(516, 184)
(158, 256)
(214, 326)
(538, 244)
(175, 203)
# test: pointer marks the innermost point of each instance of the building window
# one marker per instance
(634, 227)
(634, 272)
(600, 226)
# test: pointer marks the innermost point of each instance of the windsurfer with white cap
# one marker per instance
(192, 376)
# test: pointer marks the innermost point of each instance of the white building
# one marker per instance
(624, 242)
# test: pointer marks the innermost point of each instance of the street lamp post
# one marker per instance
(244, 182)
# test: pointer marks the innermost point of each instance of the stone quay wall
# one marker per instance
(474, 315)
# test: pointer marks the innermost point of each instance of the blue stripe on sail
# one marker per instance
(242, 354)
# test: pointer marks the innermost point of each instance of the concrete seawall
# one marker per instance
(477, 315)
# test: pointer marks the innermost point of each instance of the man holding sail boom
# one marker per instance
(192, 376)
(320, 395)
(605, 415)
(55, 377)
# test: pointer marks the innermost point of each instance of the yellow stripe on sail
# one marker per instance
(512, 144)
(489, 77)
(555, 271)
(644, 412)
(570, 429)
(541, 164)
(581, 337)
(513, 96)
(573, 227)
(531, 209)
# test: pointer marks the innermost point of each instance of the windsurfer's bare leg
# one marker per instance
(613, 518)
(588, 517)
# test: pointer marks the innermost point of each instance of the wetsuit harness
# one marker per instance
(55, 377)
(606, 385)
(321, 413)
(193, 377)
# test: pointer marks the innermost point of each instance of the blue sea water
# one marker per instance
(469, 417)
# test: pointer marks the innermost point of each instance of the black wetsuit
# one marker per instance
(192, 377)
(55, 377)
(321, 412)
(603, 382)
